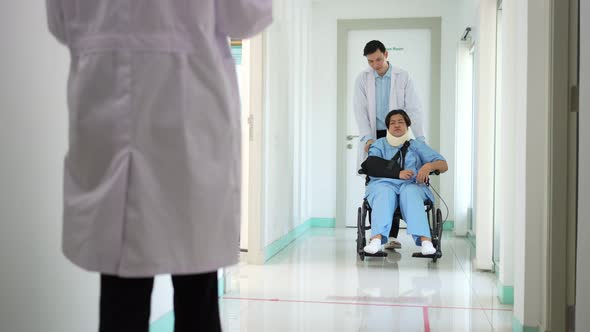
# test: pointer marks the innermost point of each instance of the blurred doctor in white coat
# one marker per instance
(152, 174)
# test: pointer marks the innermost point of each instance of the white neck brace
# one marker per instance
(397, 141)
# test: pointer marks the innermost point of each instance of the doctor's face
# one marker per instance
(397, 125)
(377, 61)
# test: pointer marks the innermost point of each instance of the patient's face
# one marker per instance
(397, 125)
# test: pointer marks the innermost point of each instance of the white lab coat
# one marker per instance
(152, 174)
(402, 96)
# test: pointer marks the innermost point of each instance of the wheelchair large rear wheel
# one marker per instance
(361, 241)
(438, 233)
(434, 225)
(439, 221)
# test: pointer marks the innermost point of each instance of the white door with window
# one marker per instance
(409, 49)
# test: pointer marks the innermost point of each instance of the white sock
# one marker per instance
(428, 248)
(373, 246)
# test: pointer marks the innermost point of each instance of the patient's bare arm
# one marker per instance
(439, 165)
(424, 172)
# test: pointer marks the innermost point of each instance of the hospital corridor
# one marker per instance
(317, 284)
(295, 166)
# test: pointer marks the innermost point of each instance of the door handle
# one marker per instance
(351, 137)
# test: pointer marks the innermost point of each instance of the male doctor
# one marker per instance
(378, 90)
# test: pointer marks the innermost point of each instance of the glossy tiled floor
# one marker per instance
(318, 284)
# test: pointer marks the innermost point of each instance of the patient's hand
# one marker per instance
(423, 173)
(406, 174)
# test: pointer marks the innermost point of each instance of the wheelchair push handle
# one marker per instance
(435, 172)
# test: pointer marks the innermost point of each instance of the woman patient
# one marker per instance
(409, 191)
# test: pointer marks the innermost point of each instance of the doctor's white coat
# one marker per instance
(152, 174)
(402, 96)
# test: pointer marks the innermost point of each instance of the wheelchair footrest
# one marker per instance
(377, 254)
(437, 254)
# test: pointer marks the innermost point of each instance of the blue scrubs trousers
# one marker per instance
(384, 197)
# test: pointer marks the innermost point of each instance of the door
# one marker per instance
(410, 47)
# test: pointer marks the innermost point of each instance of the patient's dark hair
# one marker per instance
(402, 113)
(373, 46)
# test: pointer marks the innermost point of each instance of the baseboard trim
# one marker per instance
(505, 294)
(277, 246)
(449, 225)
(284, 241)
(323, 222)
(517, 326)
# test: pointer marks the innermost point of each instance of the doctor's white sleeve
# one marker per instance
(361, 109)
(56, 20)
(414, 109)
(242, 18)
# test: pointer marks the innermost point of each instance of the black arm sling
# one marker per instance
(383, 168)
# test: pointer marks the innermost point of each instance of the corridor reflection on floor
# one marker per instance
(318, 284)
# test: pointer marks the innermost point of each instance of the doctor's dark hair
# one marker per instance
(373, 46)
(400, 112)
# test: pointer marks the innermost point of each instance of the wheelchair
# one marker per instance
(435, 222)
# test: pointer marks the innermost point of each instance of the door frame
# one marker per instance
(256, 171)
(561, 237)
(344, 27)
(582, 263)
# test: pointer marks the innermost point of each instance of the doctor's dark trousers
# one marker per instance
(125, 303)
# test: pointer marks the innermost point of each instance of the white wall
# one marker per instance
(466, 95)
(519, 221)
(506, 177)
(485, 82)
(286, 140)
(324, 66)
(40, 290)
(464, 141)
(583, 250)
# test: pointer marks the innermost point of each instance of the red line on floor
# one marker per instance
(361, 304)
(426, 319)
